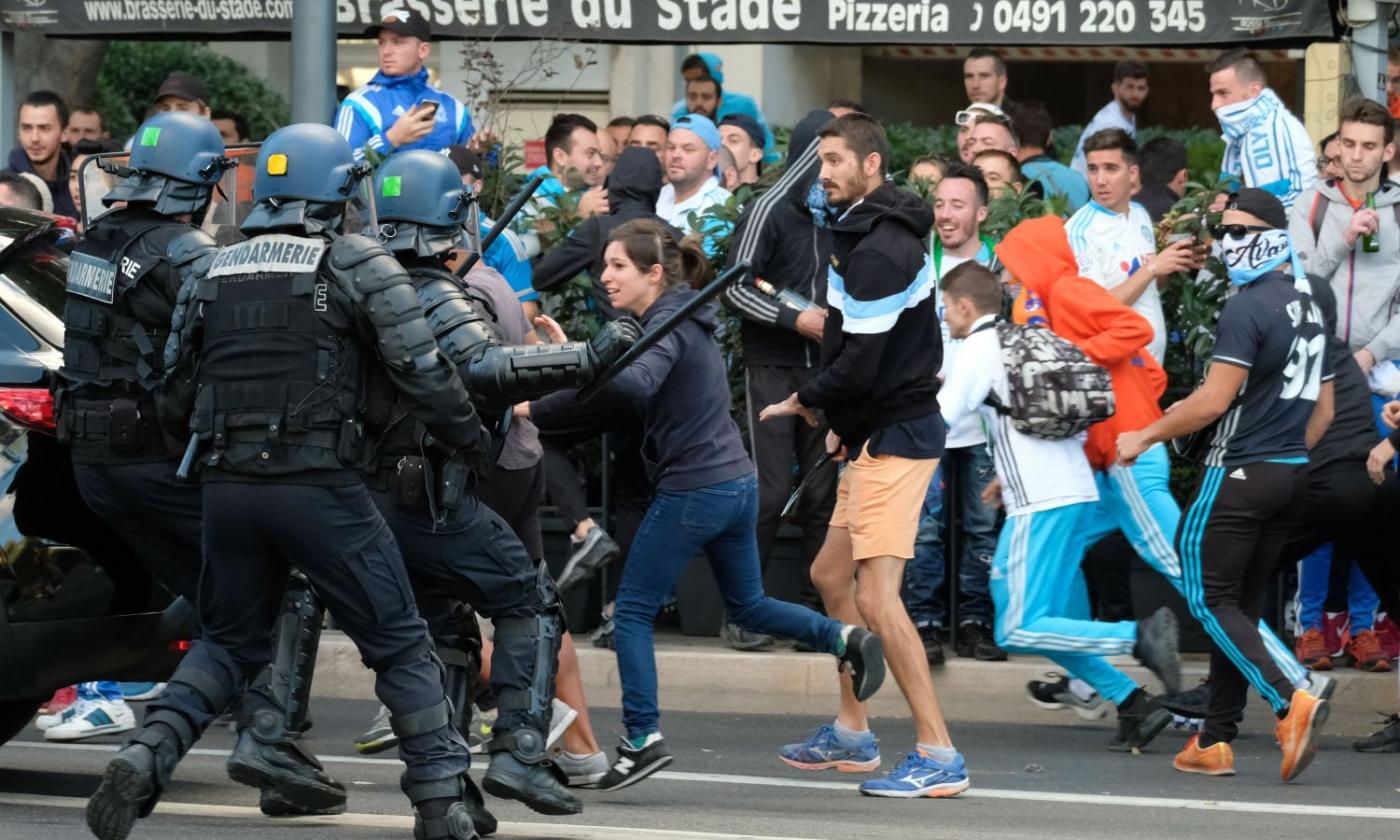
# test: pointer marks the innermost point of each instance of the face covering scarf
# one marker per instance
(1249, 257)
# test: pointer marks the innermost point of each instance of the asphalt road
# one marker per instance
(1041, 777)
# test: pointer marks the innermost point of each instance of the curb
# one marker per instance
(707, 678)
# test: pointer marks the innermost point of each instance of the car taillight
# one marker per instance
(32, 407)
(180, 646)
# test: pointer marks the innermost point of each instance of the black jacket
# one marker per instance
(882, 347)
(633, 186)
(776, 234)
(682, 393)
(58, 188)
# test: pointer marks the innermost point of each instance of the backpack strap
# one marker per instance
(1318, 212)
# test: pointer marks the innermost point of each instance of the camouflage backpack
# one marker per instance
(1055, 391)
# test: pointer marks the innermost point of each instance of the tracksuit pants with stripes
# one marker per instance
(1040, 602)
(1138, 501)
(1230, 541)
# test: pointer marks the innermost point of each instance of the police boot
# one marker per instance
(440, 810)
(132, 784)
(268, 757)
(521, 770)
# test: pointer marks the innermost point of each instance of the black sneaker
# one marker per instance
(1386, 740)
(636, 763)
(865, 655)
(602, 636)
(1156, 648)
(1140, 719)
(740, 639)
(1191, 703)
(975, 642)
(932, 637)
(586, 557)
(1055, 694)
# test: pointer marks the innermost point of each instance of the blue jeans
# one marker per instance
(721, 519)
(924, 575)
(1314, 580)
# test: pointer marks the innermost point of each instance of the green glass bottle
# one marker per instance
(1371, 242)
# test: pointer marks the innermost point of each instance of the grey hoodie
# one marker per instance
(1367, 286)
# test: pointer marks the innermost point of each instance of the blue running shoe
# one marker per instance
(824, 750)
(919, 775)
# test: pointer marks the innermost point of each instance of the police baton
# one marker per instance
(507, 216)
(649, 339)
(191, 449)
(790, 508)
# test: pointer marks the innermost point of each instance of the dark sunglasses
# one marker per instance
(1236, 231)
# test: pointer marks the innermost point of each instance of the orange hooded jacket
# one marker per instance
(1037, 253)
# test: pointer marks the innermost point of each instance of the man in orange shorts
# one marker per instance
(881, 351)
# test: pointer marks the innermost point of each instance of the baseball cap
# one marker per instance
(467, 161)
(748, 124)
(183, 86)
(1261, 204)
(402, 22)
(975, 110)
(702, 127)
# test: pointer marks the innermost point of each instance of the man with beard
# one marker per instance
(878, 384)
(1129, 92)
(692, 159)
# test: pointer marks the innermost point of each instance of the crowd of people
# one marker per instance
(919, 383)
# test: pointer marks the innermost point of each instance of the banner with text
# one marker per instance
(1077, 22)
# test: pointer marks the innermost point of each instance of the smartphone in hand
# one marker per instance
(429, 105)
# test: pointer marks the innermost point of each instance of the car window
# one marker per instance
(32, 280)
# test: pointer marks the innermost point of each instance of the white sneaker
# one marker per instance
(581, 770)
(98, 717)
(46, 722)
(564, 717)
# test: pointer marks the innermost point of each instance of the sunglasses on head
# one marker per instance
(1236, 231)
(970, 115)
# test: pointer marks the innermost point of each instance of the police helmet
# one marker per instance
(176, 159)
(305, 171)
(421, 202)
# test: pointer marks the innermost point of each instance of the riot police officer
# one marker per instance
(272, 340)
(121, 292)
(456, 547)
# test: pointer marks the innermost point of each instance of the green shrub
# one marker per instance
(133, 71)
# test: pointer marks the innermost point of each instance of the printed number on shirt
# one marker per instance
(1302, 376)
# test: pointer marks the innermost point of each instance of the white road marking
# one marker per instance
(1295, 809)
(561, 831)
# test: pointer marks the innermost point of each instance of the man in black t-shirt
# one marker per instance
(1269, 393)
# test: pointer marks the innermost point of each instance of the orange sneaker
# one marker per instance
(1297, 733)
(1216, 760)
(1311, 650)
(1367, 653)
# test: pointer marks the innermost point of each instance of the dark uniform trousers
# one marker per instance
(253, 534)
(155, 513)
(475, 557)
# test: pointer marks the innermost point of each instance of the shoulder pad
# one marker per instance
(352, 249)
(190, 246)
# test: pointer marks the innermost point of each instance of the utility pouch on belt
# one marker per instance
(63, 416)
(410, 483)
(125, 433)
(452, 484)
(351, 447)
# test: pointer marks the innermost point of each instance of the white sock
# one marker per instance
(1081, 689)
(942, 755)
(851, 735)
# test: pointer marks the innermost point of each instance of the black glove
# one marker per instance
(614, 339)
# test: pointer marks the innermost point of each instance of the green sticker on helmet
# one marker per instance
(392, 186)
(150, 136)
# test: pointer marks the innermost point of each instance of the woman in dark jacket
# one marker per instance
(706, 493)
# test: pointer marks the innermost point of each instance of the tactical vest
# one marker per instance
(280, 370)
(464, 325)
(112, 354)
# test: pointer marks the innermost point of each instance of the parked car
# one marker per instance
(75, 602)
